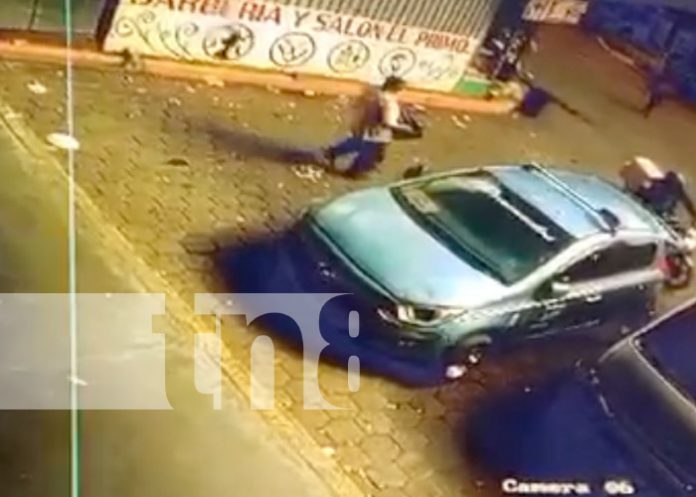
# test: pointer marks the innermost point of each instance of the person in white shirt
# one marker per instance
(378, 116)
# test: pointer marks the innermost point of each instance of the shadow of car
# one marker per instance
(624, 424)
(279, 264)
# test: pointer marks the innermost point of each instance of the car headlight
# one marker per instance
(420, 316)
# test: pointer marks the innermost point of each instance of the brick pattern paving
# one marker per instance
(157, 158)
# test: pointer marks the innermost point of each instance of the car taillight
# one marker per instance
(663, 266)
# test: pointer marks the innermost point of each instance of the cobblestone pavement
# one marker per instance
(166, 159)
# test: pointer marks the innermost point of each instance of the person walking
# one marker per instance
(378, 116)
(658, 85)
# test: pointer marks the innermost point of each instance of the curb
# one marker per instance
(112, 245)
(23, 50)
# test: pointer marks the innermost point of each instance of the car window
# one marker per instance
(616, 259)
(477, 217)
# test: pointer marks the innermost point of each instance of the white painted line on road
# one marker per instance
(71, 147)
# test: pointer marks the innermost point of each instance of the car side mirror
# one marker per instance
(552, 289)
(414, 171)
(559, 289)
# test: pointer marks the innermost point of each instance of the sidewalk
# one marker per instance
(165, 160)
(82, 54)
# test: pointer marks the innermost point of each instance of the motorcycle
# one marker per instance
(678, 264)
(679, 260)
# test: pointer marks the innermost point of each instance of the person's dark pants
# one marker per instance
(654, 99)
(369, 154)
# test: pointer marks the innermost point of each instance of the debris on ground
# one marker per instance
(273, 89)
(292, 105)
(284, 114)
(309, 93)
(63, 141)
(37, 88)
(177, 161)
(11, 115)
(214, 81)
(77, 381)
(200, 244)
(141, 91)
(307, 171)
(459, 122)
(174, 101)
(131, 61)
(190, 89)
(328, 451)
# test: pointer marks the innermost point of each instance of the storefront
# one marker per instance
(429, 43)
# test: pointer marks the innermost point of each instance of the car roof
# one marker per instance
(562, 204)
(685, 307)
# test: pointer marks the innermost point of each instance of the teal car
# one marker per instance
(446, 266)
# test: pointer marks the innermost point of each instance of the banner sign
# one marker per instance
(556, 11)
(266, 35)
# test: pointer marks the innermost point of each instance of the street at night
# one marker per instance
(182, 186)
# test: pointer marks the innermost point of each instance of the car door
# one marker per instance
(604, 285)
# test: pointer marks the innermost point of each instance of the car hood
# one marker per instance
(560, 433)
(379, 237)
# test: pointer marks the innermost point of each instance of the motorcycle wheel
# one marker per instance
(681, 272)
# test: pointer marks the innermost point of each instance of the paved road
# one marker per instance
(191, 450)
(165, 160)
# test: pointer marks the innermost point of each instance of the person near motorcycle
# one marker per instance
(662, 192)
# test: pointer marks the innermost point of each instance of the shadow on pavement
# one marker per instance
(251, 144)
(275, 264)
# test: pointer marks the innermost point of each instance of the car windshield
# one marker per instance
(485, 223)
(650, 385)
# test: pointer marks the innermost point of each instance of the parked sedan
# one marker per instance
(625, 425)
(447, 265)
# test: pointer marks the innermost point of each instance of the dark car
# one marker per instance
(623, 425)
